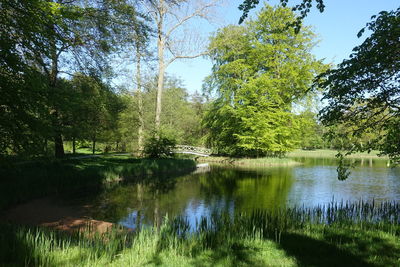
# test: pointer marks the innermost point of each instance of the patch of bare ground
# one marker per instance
(50, 213)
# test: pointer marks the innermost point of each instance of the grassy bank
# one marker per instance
(326, 153)
(250, 161)
(359, 234)
(290, 159)
(23, 181)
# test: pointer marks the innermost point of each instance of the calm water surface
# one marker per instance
(232, 189)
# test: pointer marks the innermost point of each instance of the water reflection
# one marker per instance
(316, 185)
(243, 190)
(265, 188)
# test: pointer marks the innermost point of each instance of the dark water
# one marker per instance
(231, 189)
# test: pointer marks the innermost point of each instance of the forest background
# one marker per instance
(62, 82)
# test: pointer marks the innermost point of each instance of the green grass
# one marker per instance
(326, 153)
(346, 234)
(22, 181)
(86, 150)
(289, 160)
(253, 162)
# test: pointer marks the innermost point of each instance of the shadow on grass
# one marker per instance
(343, 247)
(374, 245)
(308, 251)
(236, 255)
(312, 252)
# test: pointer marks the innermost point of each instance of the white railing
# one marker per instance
(184, 149)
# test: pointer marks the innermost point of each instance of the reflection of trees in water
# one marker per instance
(156, 186)
(222, 189)
(117, 202)
(266, 188)
(226, 189)
(146, 202)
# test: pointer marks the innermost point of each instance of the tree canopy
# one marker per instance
(363, 92)
(260, 70)
(40, 41)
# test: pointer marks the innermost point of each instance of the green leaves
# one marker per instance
(363, 92)
(259, 70)
(41, 39)
(159, 146)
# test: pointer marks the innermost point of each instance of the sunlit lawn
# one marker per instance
(326, 153)
(253, 162)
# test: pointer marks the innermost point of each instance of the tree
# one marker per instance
(94, 112)
(23, 89)
(141, 39)
(180, 119)
(139, 48)
(54, 37)
(363, 92)
(311, 131)
(259, 70)
(170, 18)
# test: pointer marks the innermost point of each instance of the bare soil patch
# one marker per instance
(50, 213)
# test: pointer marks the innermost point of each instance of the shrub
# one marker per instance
(159, 146)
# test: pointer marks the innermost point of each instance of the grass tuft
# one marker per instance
(338, 234)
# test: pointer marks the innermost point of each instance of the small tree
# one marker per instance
(159, 146)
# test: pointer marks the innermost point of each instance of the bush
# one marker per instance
(159, 146)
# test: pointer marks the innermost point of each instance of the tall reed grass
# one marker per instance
(360, 233)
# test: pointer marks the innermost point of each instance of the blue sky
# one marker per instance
(337, 28)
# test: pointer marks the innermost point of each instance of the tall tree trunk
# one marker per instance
(161, 65)
(94, 145)
(139, 96)
(58, 145)
(58, 141)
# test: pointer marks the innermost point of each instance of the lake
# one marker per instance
(236, 189)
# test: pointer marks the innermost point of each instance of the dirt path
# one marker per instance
(48, 212)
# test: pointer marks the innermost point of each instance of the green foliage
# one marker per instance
(180, 119)
(93, 110)
(343, 167)
(356, 234)
(159, 146)
(23, 112)
(259, 70)
(23, 88)
(41, 39)
(311, 131)
(363, 92)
